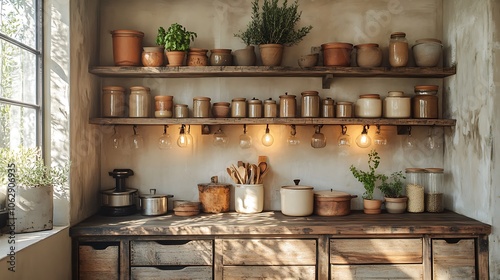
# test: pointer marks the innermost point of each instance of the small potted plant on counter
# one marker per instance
(176, 40)
(369, 180)
(392, 188)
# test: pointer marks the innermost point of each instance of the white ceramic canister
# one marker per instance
(297, 200)
(397, 105)
(249, 198)
(139, 102)
(368, 106)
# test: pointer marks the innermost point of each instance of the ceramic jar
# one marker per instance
(163, 106)
(113, 102)
(368, 106)
(398, 50)
(153, 56)
(427, 52)
(254, 108)
(425, 102)
(197, 57)
(127, 47)
(287, 106)
(239, 108)
(337, 54)
(139, 102)
(310, 104)
(201, 107)
(181, 111)
(270, 108)
(245, 57)
(368, 55)
(220, 109)
(328, 108)
(397, 105)
(343, 109)
(221, 57)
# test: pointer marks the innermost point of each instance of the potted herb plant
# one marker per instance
(272, 27)
(30, 188)
(369, 179)
(176, 40)
(392, 188)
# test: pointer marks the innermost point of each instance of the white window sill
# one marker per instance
(24, 240)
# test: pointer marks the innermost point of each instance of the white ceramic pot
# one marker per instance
(249, 198)
(297, 200)
(368, 106)
(397, 105)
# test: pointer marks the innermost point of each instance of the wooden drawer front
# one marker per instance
(171, 252)
(269, 272)
(368, 272)
(454, 260)
(189, 272)
(373, 251)
(98, 261)
(269, 252)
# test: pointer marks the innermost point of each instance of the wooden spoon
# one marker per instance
(236, 173)
(262, 167)
(243, 174)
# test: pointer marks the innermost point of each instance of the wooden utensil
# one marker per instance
(232, 175)
(262, 167)
(243, 174)
(236, 174)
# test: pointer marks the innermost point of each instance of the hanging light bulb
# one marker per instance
(292, 140)
(318, 139)
(164, 142)
(363, 140)
(220, 138)
(267, 139)
(344, 139)
(409, 142)
(182, 141)
(189, 136)
(245, 139)
(378, 139)
(136, 141)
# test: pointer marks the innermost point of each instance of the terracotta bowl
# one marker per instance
(220, 111)
(308, 60)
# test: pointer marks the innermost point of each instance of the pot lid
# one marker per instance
(114, 192)
(254, 101)
(153, 194)
(375, 96)
(328, 101)
(117, 88)
(426, 88)
(298, 188)
(331, 193)
(239, 99)
(308, 93)
(344, 103)
(398, 34)
(269, 101)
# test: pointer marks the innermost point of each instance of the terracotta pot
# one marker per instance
(127, 47)
(372, 206)
(336, 54)
(221, 57)
(368, 55)
(396, 205)
(245, 57)
(271, 54)
(176, 58)
(152, 56)
(197, 57)
(332, 203)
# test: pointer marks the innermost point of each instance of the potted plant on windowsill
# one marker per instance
(272, 27)
(392, 188)
(30, 188)
(176, 40)
(369, 180)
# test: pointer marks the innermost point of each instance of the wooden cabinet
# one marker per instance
(98, 260)
(453, 259)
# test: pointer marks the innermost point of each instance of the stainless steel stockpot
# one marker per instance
(153, 204)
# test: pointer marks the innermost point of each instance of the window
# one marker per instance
(21, 73)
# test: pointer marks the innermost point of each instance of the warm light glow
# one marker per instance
(267, 139)
(182, 141)
(363, 140)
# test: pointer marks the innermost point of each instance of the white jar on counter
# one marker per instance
(368, 106)
(397, 105)
(139, 102)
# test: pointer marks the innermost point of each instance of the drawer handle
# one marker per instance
(170, 268)
(173, 242)
(452, 240)
(99, 245)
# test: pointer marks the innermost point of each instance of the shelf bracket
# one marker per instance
(327, 81)
(403, 129)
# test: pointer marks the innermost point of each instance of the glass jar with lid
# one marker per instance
(139, 102)
(425, 102)
(113, 102)
(397, 105)
(310, 104)
(368, 106)
(270, 108)
(415, 189)
(398, 50)
(328, 108)
(239, 107)
(287, 106)
(433, 193)
(201, 107)
(254, 108)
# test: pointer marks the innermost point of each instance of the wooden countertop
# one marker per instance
(275, 223)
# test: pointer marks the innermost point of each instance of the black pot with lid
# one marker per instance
(119, 201)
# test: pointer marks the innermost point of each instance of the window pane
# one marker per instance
(17, 126)
(18, 78)
(17, 20)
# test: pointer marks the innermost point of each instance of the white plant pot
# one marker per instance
(34, 208)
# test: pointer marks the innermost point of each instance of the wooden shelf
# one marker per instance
(326, 73)
(279, 121)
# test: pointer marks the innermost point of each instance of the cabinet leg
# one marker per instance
(124, 260)
(482, 257)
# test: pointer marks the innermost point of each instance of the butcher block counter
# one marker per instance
(270, 245)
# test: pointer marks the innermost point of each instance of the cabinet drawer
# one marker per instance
(189, 272)
(453, 259)
(368, 272)
(373, 251)
(171, 252)
(269, 272)
(269, 252)
(98, 260)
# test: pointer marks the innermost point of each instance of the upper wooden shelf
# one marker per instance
(281, 121)
(326, 73)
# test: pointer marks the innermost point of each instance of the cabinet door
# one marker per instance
(279, 272)
(172, 273)
(453, 259)
(368, 272)
(171, 252)
(98, 260)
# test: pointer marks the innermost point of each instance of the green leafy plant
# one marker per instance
(175, 38)
(274, 24)
(393, 186)
(30, 169)
(368, 178)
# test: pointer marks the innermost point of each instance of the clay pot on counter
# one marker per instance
(214, 197)
(395, 205)
(297, 200)
(332, 203)
(127, 47)
(337, 54)
(368, 55)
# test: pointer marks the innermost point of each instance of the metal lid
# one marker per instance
(269, 101)
(398, 34)
(153, 194)
(298, 188)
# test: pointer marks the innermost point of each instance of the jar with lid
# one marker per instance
(113, 102)
(397, 105)
(181, 111)
(368, 106)
(270, 108)
(343, 109)
(328, 108)
(425, 102)
(254, 108)
(287, 106)
(201, 107)
(139, 102)
(415, 189)
(398, 50)
(239, 107)
(310, 104)
(163, 106)
(433, 193)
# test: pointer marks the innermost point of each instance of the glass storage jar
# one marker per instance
(201, 107)
(113, 102)
(254, 108)
(425, 102)
(287, 106)
(343, 109)
(433, 192)
(239, 108)
(415, 189)
(368, 106)
(397, 105)
(398, 50)
(163, 106)
(181, 111)
(310, 104)
(139, 102)
(270, 108)
(328, 108)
